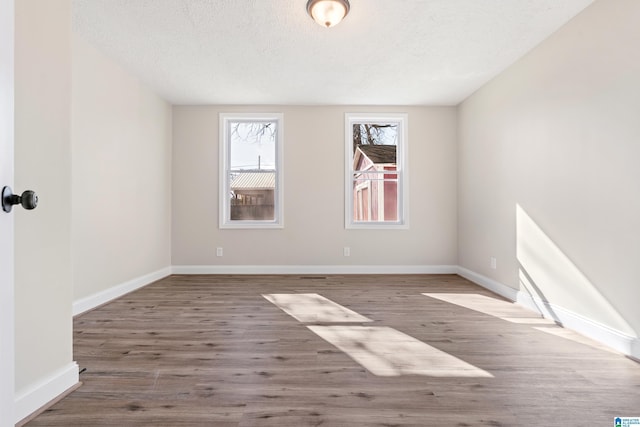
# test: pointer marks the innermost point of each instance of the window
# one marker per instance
(251, 171)
(376, 186)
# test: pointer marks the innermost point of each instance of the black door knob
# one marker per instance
(28, 199)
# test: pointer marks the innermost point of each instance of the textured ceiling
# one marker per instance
(386, 52)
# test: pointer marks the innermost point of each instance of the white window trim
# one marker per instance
(225, 221)
(402, 165)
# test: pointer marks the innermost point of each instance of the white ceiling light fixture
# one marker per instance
(328, 12)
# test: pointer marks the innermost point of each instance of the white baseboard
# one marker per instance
(95, 300)
(314, 269)
(84, 304)
(610, 337)
(52, 386)
(490, 284)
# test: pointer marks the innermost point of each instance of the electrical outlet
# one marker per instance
(347, 251)
(219, 252)
(494, 263)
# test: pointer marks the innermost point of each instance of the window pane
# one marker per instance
(252, 145)
(375, 145)
(375, 194)
(252, 195)
(375, 197)
(252, 178)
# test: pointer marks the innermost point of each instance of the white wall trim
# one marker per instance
(95, 300)
(315, 269)
(41, 393)
(610, 337)
(613, 338)
(490, 284)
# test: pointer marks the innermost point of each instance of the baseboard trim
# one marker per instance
(88, 303)
(490, 284)
(610, 337)
(314, 269)
(48, 389)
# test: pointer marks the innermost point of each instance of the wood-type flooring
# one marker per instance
(208, 350)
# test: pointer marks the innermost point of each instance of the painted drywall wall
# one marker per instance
(43, 290)
(121, 179)
(314, 232)
(548, 170)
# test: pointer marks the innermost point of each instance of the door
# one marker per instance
(7, 345)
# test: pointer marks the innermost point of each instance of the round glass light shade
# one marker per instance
(328, 12)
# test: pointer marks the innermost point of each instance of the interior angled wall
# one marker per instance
(121, 180)
(548, 175)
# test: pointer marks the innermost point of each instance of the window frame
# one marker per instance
(224, 215)
(402, 170)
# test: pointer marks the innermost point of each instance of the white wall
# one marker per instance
(314, 233)
(121, 177)
(549, 182)
(43, 289)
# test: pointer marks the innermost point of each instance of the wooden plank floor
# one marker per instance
(212, 351)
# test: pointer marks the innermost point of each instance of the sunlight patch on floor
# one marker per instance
(388, 352)
(383, 351)
(510, 312)
(314, 308)
(575, 337)
(504, 310)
